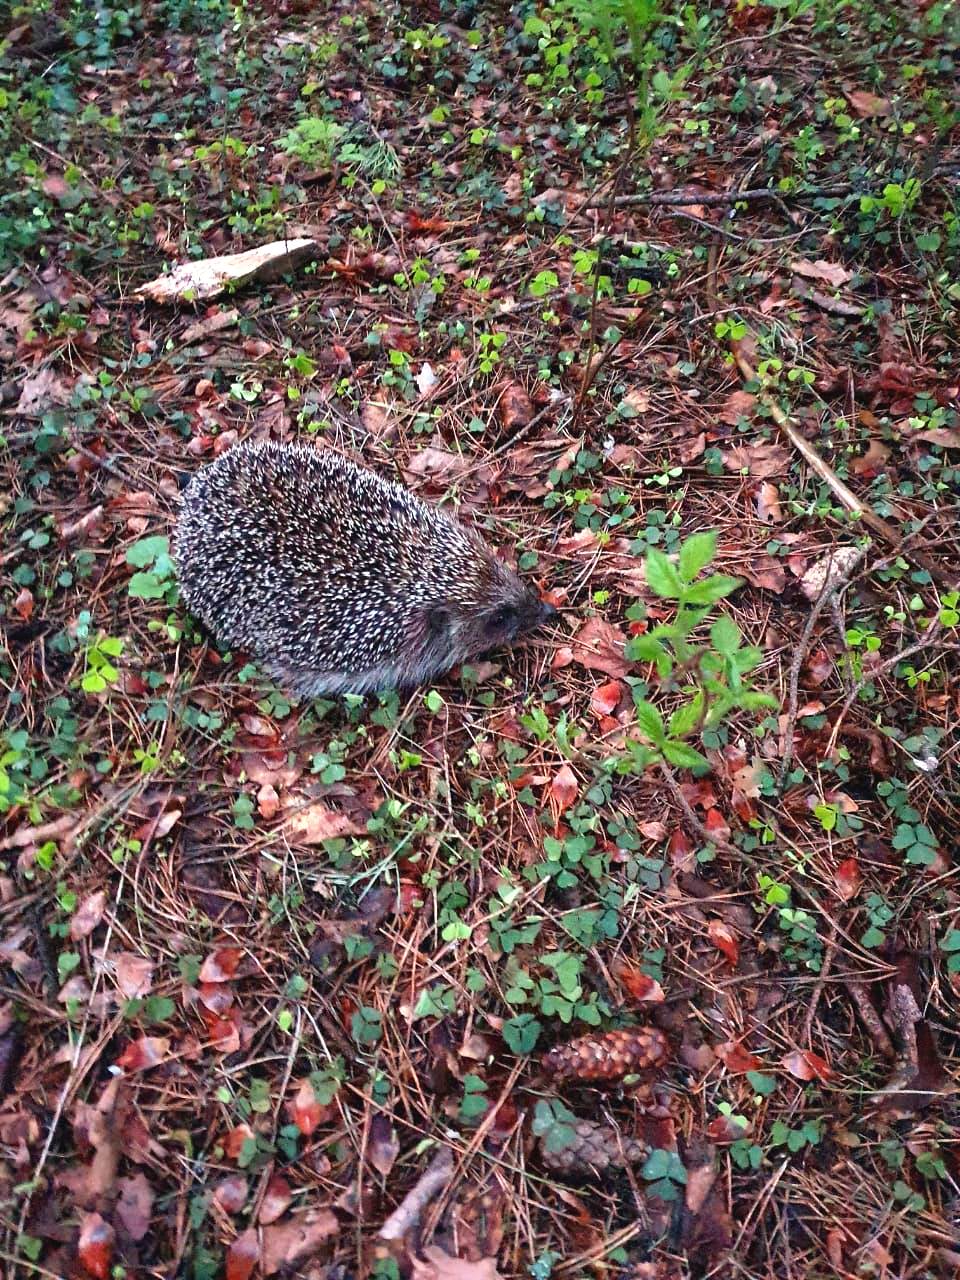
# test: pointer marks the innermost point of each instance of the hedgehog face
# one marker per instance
(508, 611)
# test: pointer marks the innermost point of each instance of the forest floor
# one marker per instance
(303, 989)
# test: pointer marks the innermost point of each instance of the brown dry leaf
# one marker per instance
(739, 404)
(290, 1243)
(268, 801)
(435, 464)
(135, 1205)
(384, 1147)
(317, 823)
(943, 437)
(640, 986)
(872, 462)
(23, 604)
(737, 1059)
(515, 407)
(599, 646)
(827, 272)
(866, 105)
(759, 460)
(804, 1064)
(213, 322)
(95, 1246)
(764, 571)
(41, 392)
(376, 418)
(564, 788)
(768, 503)
(87, 916)
(276, 1200)
(134, 974)
(437, 1264)
(209, 277)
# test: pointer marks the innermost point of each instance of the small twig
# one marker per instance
(410, 1209)
(831, 587)
(830, 951)
(875, 674)
(860, 996)
(671, 199)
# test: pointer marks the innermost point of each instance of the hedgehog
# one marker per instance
(338, 580)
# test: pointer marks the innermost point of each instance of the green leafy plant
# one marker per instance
(100, 670)
(312, 141)
(710, 677)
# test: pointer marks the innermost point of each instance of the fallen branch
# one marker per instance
(410, 1209)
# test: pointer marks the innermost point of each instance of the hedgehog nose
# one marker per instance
(548, 613)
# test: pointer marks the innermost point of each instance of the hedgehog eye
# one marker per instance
(504, 617)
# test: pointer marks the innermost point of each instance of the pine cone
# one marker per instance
(607, 1056)
(595, 1148)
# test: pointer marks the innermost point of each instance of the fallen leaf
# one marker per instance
(243, 1254)
(640, 986)
(236, 1140)
(317, 822)
(758, 460)
(290, 1243)
(737, 1059)
(134, 974)
(41, 392)
(148, 1051)
(24, 603)
(828, 272)
(599, 646)
(88, 915)
(268, 801)
(564, 787)
(765, 571)
(276, 1199)
(231, 1193)
(95, 1246)
(849, 878)
(426, 379)
(870, 464)
(135, 1205)
(210, 276)
(806, 1065)
(724, 939)
(867, 104)
(605, 698)
(376, 418)
(436, 1264)
(435, 464)
(305, 1111)
(768, 503)
(212, 323)
(221, 965)
(738, 404)
(384, 1147)
(942, 437)
(514, 407)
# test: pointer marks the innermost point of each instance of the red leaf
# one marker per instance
(806, 1065)
(24, 603)
(243, 1255)
(604, 700)
(148, 1051)
(95, 1246)
(234, 1140)
(305, 1111)
(681, 850)
(724, 939)
(716, 824)
(276, 1200)
(640, 986)
(221, 965)
(736, 1059)
(849, 878)
(231, 1193)
(564, 787)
